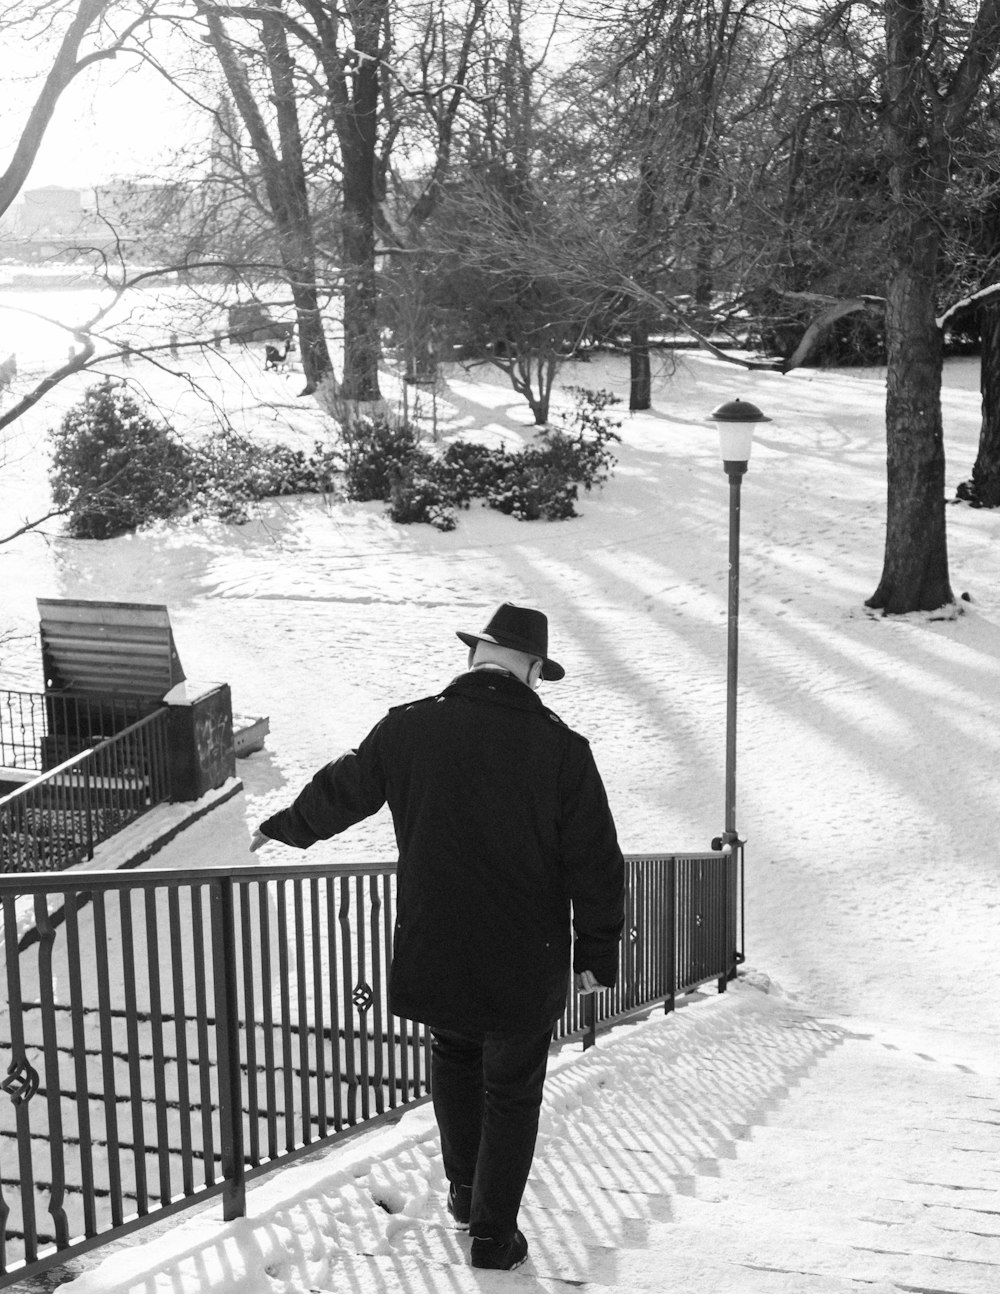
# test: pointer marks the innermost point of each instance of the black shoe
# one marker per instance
(460, 1204)
(501, 1257)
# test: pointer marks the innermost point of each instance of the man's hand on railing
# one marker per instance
(258, 840)
(587, 982)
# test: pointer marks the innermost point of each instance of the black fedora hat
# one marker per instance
(522, 629)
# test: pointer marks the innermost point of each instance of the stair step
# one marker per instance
(920, 1233)
(754, 1246)
(425, 1260)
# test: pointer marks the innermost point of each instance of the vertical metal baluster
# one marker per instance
(117, 786)
(250, 1020)
(159, 1053)
(637, 877)
(110, 1093)
(153, 770)
(717, 921)
(267, 993)
(658, 916)
(9, 937)
(180, 1038)
(648, 933)
(336, 1075)
(399, 1026)
(75, 975)
(375, 1027)
(303, 1012)
(688, 923)
(28, 1084)
(347, 996)
(425, 1034)
(165, 784)
(134, 1055)
(228, 1050)
(204, 1050)
(683, 924)
(649, 928)
(318, 1012)
(722, 898)
(56, 820)
(53, 1081)
(286, 1035)
(362, 979)
(87, 813)
(671, 941)
(391, 1038)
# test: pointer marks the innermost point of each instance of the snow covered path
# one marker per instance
(738, 1146)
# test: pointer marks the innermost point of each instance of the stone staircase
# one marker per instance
(739, 1146)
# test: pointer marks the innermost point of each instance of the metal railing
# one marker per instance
(171, 1034)
(41, 729)
(55, 820)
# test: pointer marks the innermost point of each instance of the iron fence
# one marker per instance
(55, 820)
(171, 1034)
(41, 729)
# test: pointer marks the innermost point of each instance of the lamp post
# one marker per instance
(735, 422)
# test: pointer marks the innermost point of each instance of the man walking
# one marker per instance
(504, 834)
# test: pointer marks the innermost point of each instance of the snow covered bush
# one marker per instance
(420, 492)
(542, 481)
(375, 450)
(384, 459)
(229, 473)
(113, 466)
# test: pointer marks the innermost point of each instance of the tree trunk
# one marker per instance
(361, 334)
(640, 388)
(356, 114)
(315, 354)
(289, 201)
(915, 571)
(284, 180)
(986, 472)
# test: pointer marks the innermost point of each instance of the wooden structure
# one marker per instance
(118, 662)
(108, 648)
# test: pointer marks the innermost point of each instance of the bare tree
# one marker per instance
(92, 31)
(282, 169)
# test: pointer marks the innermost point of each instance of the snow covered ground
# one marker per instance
(868, 747)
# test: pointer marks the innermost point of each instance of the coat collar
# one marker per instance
(499, 688)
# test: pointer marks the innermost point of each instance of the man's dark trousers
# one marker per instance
(487, 1091)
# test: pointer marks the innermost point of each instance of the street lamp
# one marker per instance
(734, 421)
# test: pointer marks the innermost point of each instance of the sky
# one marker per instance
(117, 118)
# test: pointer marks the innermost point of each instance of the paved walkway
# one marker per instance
(739, 1146)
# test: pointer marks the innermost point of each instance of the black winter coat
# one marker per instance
(502, 824)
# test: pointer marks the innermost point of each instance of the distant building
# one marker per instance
(50, 212)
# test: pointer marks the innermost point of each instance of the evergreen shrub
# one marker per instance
(385, 460)
(376, 451)
(113, 466)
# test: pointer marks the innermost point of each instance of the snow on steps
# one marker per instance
(737, 1147)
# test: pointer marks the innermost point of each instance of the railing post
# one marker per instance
(88, 801)
(670, 918)
(589, 1020)
(227, 1035)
